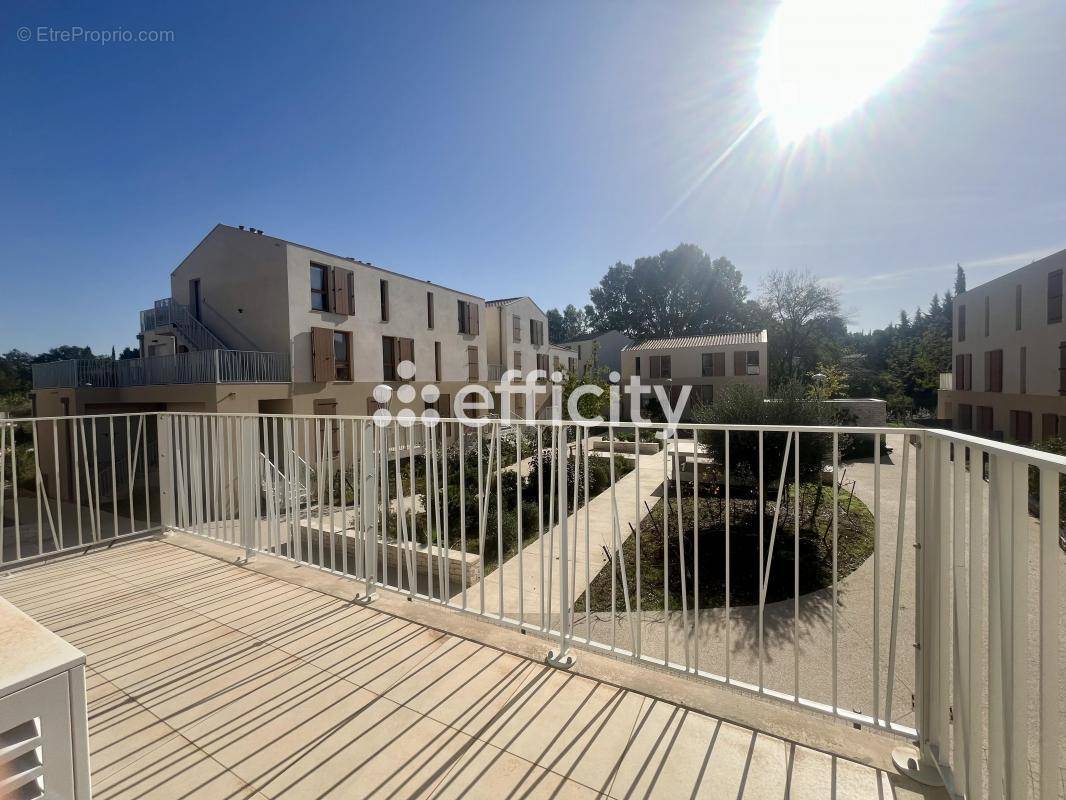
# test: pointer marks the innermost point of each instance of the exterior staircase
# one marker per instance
(170, 313)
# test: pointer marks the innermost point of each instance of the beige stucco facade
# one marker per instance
(1008, 341)
(600, 350)
(732, 358)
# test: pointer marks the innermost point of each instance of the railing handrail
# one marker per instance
(199, 366)
(169, 311)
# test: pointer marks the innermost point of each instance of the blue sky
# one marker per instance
(506, 148)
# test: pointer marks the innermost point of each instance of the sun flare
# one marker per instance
(822, 59)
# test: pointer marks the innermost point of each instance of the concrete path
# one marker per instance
(518, 580)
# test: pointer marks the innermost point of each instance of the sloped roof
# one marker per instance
(503, 301)
(708, 340)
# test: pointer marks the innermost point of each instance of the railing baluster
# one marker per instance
(1050, 704)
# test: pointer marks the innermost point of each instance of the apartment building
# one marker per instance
(602, 350)
(1009, 356)
(707, 363)
(258, 324)
(516, 331)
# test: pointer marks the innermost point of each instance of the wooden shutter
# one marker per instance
(666, 368)
(436, 362)
(341, 291)
(719, 365)
(471, 363)
(407, 350)
(960, 372)
(1049, 425)
(476, 317)
(444, 405)
(429, 310)
(518, 359)
(988, 370)
(653, 367)
(740, 362)
(323, 365)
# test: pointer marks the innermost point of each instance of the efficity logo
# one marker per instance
(473, 402)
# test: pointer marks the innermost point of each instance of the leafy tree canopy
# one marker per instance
(680, 292)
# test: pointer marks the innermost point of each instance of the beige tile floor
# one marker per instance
(209, 680)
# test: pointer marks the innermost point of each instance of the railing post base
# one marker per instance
(910, 762)
(564, 660)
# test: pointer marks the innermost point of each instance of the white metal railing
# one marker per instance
(206, 366)
(925, 601)
(73, 482)
(170, 312)
(947, 380)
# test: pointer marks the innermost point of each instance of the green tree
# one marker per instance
(804, 320)
(568, 325)
(679, 292)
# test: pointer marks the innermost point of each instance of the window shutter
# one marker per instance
(472, 363)
(338, 283)
(477, 319)
(444, 405)
(351, 292)
(407, 350)
(740, 362)
(988, 370)
(323, 365)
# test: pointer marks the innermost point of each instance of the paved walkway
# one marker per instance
(209, 680)
(520, 576)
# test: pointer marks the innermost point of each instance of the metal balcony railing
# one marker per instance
(207, 366)
(922, 598)
(169, 312)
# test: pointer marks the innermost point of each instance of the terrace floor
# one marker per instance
(211, 679)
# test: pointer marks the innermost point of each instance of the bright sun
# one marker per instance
(822, 59)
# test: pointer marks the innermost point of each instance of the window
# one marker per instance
(988, 314)
(962, 324)
(542, 362)
(1022, 370)
(1018, 307)
(1021, 426)
(327, 408)
(518, 359)
(964, 417)
(536, 332)
(572, 364)
(636, 369)
(437, 362)
(429, 310)
(1049, 426)
(706, 394)
(713, 365)
(753, 362)
(659, 367)
(1054, 297)
(388, 357)
(319, 288)
(384, 301)
(468, 318)
(472, 363)
(395, 350)
(993, 370)
(960, 372)
(332, 289)
(984, 419)
(373, 405)
(556, 364)
(516, 328)
(342, 356)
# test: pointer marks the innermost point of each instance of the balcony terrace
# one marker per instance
(200, 366)
(279, 606)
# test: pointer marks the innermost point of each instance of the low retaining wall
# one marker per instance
(425, 558)
(646, 448)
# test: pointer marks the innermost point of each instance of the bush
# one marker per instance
(742, 404)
